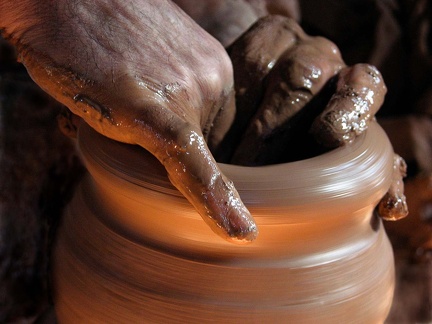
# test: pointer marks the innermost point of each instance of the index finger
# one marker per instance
(194, 172)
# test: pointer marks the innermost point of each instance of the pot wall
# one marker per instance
(132, 249)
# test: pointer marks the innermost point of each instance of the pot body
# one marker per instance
(131, 249)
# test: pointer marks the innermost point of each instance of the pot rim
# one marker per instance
(350, 171)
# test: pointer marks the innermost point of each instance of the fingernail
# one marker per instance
(242, 228)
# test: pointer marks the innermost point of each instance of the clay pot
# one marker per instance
(131, 249)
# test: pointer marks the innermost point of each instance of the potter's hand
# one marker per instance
(296, 78)
(301, 87)
(140, 72)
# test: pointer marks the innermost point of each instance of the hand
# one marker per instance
(140, 72)
(292, 91)
(301, 94)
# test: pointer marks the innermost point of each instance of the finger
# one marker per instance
(298, 76)
(253, 56)
(181, 148)
(359, 94)
(192, 169)
(393, 205)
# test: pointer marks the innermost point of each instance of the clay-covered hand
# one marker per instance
(140, 72)
(294, 90)
(297, 98)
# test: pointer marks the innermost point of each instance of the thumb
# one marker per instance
(192, 169)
